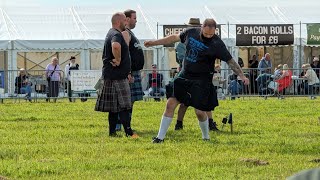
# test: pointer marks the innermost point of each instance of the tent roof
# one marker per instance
(81, 23)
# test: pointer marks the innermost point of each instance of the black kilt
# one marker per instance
(114, 97)
(200, 94)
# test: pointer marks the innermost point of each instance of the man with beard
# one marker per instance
(115, 96)
(194, 85)
(136, 57)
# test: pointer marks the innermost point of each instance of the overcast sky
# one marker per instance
(151, 3)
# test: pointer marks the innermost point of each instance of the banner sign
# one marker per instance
(313, 31)
(260, 35)
(177, 29)
(82, 80)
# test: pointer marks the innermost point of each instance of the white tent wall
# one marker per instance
(82, 29)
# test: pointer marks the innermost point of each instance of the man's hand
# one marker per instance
(130, 78)
(115, 63)
(245, 80)
(148, 43)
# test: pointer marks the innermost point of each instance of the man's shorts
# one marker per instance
(200, 94)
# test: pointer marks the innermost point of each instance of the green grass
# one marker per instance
(70, 141)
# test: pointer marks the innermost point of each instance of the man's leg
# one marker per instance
(69, 91)
(212, 123)
(113, 117)
(166, 120)
(181, 112)
(124, 116)
(203, 123)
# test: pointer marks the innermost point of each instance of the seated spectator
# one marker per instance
(302, 84)
(316, 66)
(312, 78)
(263, 81)
(23, 86)
(285, 80)
(155, 83)
(277, 72)
(235, 85)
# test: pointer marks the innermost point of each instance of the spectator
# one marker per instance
(316, 66)
(265, 64)
(72, 65)
(155, 83)
(23, 86)
(277, 72)
(312, 79)
(302, 84)
(285, 79)
(53, 74)
(240, 62)
(253, 72)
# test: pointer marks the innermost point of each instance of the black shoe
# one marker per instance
(157, 140)
(206, 139)
(84, 99)
(178, 126)
(113, 134)
(213, 126)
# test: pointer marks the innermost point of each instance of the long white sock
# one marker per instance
(204, 129)
(164, 126)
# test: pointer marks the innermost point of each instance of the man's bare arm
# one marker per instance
(116, 51)
(237, 70)
(164, 41)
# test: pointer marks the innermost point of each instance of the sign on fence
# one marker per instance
(177, 29)
(84, 79)
(260, 35)
(313, 31)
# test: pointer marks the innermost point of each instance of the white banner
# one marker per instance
(84, 79)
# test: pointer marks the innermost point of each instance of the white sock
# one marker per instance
(164, 126)
(204, 129)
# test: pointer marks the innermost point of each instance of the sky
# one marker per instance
(151, 3)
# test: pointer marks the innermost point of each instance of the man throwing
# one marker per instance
(194, 85)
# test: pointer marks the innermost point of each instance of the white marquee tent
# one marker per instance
(83, 28)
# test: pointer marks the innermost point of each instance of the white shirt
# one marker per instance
(311, 77)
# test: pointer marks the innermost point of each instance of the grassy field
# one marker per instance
(272, 139)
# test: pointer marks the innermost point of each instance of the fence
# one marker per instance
(35, 86)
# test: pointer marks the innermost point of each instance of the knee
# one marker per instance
(171, 105)
(201, 115)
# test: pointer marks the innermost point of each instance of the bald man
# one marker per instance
(193, 86)
(115, 96)
(265, 64)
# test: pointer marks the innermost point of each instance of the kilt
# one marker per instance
(114, 97)
(136, 87)
(200, 94)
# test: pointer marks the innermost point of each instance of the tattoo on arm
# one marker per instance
(235, 67)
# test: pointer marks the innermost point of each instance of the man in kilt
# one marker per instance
(193, 87)
(115, 96)
(136, 57)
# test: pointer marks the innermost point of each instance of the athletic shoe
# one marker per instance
(157, 140)
(178, 126)
(213, 125)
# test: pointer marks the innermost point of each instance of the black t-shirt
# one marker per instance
(136, 52)
(201, 54)
(121, 71)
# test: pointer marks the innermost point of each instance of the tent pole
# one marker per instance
(300, 48)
